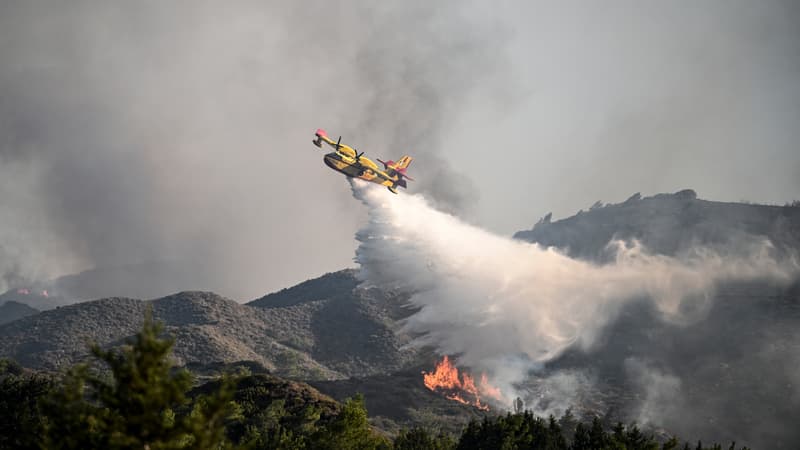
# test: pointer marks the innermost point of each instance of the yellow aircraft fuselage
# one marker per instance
(347, 161)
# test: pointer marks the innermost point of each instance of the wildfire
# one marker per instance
(489, 390)
(460, 387)
(25, 291)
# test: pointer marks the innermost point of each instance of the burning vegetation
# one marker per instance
(460, 386)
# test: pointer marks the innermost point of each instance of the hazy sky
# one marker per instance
(138, 131)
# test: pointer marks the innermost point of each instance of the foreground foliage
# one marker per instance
(21, 412)
(139, 402)
(526, 431)
(133, 398)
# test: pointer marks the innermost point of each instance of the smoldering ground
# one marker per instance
(512, 309)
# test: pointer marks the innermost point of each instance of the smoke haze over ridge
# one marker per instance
(155, 131)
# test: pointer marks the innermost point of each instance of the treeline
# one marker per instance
(132, 398)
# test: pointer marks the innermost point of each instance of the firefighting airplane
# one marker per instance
(351, 163)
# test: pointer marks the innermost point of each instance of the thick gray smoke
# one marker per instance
(161, 132)
(176, 131)
(507, 307)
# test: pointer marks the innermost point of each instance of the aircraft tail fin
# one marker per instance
(401, 164)
(404, 162)
(398, 168)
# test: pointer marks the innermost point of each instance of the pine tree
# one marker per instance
(581, 439)
(519, 405)
(20, 412)
(671, 444)
(568, 422)
(597, 436)
(421, 439)
(140, 403)
(350, 430)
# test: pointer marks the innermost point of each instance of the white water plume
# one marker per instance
(505, 306)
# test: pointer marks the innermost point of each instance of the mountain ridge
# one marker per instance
(329, 337)
(667, 224)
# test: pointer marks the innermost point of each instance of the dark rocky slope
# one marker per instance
(11, 311)
(667, 224)
(352, 329)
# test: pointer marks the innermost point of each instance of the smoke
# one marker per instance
(169, 132)
(663, 398)
(508, 307)
(556, 393)
(27, 241)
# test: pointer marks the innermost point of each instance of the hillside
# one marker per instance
(667, 224)
(729, 373)
(207, 328)
(329, 334)
(11, 311)
(324, 329)
(266, 388)
(352, 330)
(401, 400)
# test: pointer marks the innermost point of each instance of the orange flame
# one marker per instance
(460, 387)
(489, 390)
